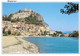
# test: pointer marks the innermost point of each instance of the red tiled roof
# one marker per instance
(41, 25)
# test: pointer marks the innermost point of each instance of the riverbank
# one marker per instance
(15, 44)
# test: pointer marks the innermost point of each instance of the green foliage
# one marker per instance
(3, 29)
(74, 34)
(45, 32)
(5, 18)
(62, 35)
(9, 32)
(53, 35)
(16, 33)
(5, 34)
(32, 20)
(70, 8)
(59, 32)
(8, 18)
(13, 20)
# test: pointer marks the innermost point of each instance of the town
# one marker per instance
(17, 24)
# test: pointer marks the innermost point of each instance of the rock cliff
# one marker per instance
(21, 14)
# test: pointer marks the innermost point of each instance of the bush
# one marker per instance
(59, 32)
(8, 18)
(9, 32)
(45, 32)
(5, 34)
(16, 33)
(54, 35)
(74, 34)
(62, 35)
(32, 20)
(13, 20)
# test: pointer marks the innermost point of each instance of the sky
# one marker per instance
(50, 12)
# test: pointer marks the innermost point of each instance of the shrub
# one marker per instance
(62, 35)
(54, 35)
(11, 15)
(59, 32)
(32, 20)
(74, 34)
(13, 20)
(8, 18)
(45, 33)
(9, 32)
(16, 33)
(5, 34)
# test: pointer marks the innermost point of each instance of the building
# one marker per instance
(23, 28)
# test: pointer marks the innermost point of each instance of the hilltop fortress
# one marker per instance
(21, 14)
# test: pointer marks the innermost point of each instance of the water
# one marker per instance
(67, 32)
(55, 44)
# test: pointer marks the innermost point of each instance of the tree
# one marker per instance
(9, 17)
(45, 32)
(9, 32)
(70, 8)
(59, 32)
(74, 34)
(3, 29)
(5, 17)
(5, 34)
(54, 35)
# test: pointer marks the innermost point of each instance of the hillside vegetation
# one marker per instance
(32, 20)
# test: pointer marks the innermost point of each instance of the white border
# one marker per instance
(79, 27)
(44, 0)
(35, 54)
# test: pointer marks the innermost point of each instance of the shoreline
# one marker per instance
(32, 36)
(28, 42)
(22, 40)
(26, 46)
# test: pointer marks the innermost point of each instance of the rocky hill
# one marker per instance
(28, 14)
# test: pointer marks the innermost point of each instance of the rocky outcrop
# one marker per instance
(40, 18)
(21, 14)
